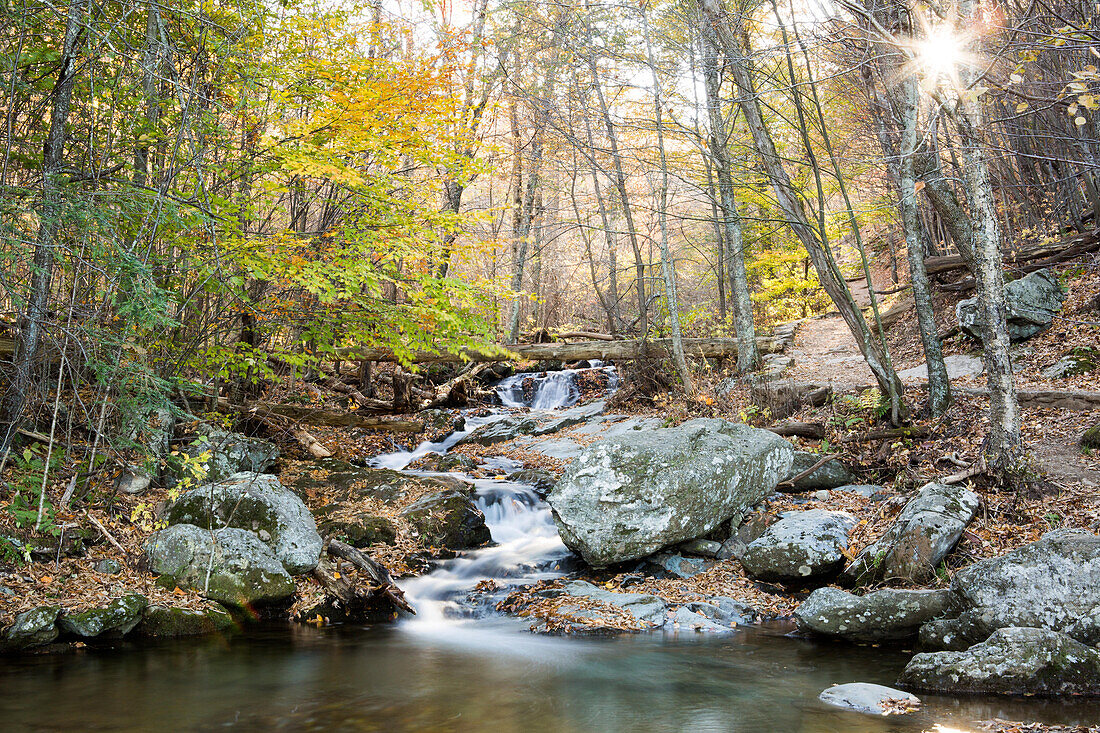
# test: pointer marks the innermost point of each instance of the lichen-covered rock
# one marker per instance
(1030, 306)
(359, 530)
(627, 497)
(883, 615)
(1053, 583)
(923, 533)
(682, 567)
(231, 566)
(230, 453)
(1013, 661)
(1075, 363)
(799, 547)
(164, 622)
(448, 520)
(829, 476)
(724, 611)
(257, 503)
(1090, 439)
(115, 619)
(36, 627)
(863, 697)
(650, 611)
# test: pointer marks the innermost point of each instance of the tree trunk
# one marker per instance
(34, 320)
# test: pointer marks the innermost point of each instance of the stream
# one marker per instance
(461, 666)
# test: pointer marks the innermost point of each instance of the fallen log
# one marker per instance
(918, 431)
(575, 351)
(591, 335)
(378, 573)
(317, 416)
(1078, 244)
(809, 430)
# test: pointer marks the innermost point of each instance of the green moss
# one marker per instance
(161, 622)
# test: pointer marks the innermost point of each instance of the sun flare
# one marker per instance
(940, 53)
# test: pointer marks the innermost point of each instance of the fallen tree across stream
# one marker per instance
(567, 352)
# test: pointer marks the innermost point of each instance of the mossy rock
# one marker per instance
(36, 627)
(362, 531)
(448, 520)
(164, 622)
(231, 566)
(1091, 438)
(353, 482)
(115, 619)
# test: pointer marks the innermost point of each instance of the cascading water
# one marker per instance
(548, 390)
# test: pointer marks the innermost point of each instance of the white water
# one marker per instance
(552, 390)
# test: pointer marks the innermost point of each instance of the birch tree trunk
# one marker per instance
(668, 265)
(734, 255)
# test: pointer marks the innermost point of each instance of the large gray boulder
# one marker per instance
(829, 476)
(260, 504)
(864, 697)
(502, 431)
(229, 565)
(1014, 661)
(627, 497)
(448, 520)
(923, 533)
(1030, 306)
(883, 615)
(1053, 583)
(800, 547)
(229, 453)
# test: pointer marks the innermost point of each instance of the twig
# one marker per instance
(789, 483)
(108, 535)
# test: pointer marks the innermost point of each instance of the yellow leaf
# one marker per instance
(336, 575)
(1079, 121)
(918, 186)
(1022, 106)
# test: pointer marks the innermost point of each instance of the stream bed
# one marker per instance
(461, 666)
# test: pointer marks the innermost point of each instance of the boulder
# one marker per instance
(501, 431)
(1091, 438)
(541, 481)
(685, 619)
(1030, 306)
(886, 614)
(959, 366)
(36, 627)
(830, 476)
(257, 503)
(702, 548)
(800, 547)
(1013, 661)
(627, 497)
(164, 622)
(1053, 583)
(925, 530)
(648, 610)
(863, 697)
(230, 453)
(682, 567)
(348, 482)
(115, 619)
(572, 416)
(342, 521)
(231, 566)
(445, 463)
(1077, 362)
(133, 480)
(448, 520)
(724, 611)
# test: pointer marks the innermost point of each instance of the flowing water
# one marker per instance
(460, 666)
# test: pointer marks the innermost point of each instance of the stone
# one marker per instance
(362, 530)
(445, 463)
(884, 615)
(682, 567)
(829, 476)
(1078, 362)
(925, 530)
(959, 366)
(115, 619)
(685, 619)
(800, 547)
(541, 481)
(36, 627)
(863, 697)
(255, 502)
(724, 611)
(228, 565)
(733, 548)
(108, 566)
(448, 520)
(571, 417)
(501, 431)
(132, 480)
(348, 482)
(1090, 439)
(866, 490)
(784, 397)
(1013, 661)
(165, 622)
(702, 548)
(650, 611)
(1053, 583)
(1030, 306)
(230, 453)
(626, 497)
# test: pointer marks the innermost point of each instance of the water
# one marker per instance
(459, 666)
(547, 390)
